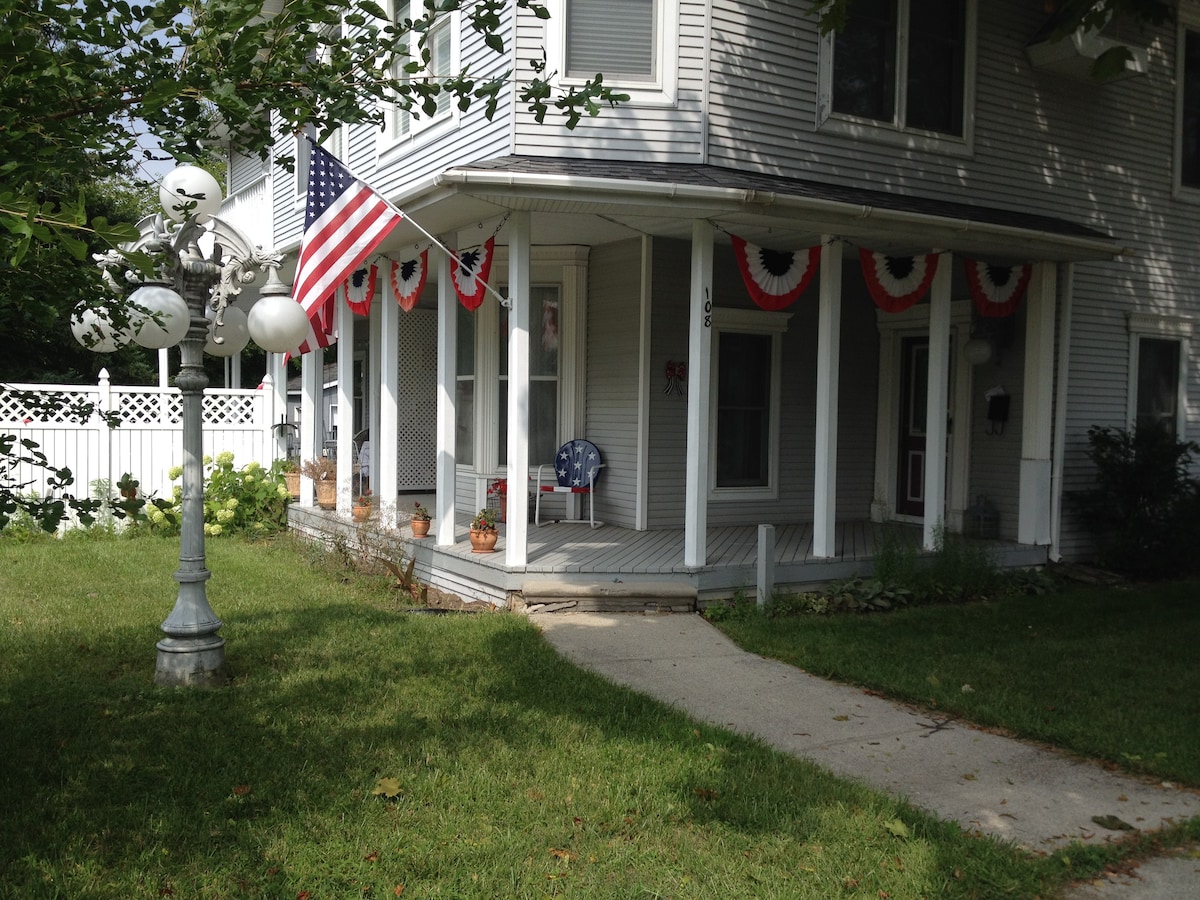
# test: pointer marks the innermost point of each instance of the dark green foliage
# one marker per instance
(1144, 508)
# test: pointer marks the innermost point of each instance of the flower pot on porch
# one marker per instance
(292, 480)
(420, 528)
(484, 541)
(326, 494)
(360, 512)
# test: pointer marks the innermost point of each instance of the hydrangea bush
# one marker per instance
(252, 499)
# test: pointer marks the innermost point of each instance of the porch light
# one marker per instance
(190, 307)
(978, 351)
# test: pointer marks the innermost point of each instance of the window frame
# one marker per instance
(660, 91)
(406, 126)
(1189, 21)
(1162, 328)
(753, 322)
(897, 132)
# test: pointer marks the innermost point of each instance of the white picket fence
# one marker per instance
(149, 440)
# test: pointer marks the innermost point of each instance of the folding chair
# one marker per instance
(576, 467)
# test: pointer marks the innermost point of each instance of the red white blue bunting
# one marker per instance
(408, 279)
(359, 289)
(775, 278)
(470, 275)
(897, 282)
(997, 291)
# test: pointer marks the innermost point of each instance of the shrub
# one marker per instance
(1144, 509)
(252, 499)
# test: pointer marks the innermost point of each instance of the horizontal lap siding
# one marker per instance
(614, 302)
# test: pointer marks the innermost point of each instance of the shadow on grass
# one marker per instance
(256, 789)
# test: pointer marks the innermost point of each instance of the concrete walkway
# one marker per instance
(1036, 798)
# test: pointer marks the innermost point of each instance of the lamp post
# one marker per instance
(190, 306)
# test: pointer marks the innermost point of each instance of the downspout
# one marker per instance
(1060, 412)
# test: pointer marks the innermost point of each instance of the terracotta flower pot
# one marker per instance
(484, 541)
(326, 494)
(292, 480)
(361, 512)
(420, 528)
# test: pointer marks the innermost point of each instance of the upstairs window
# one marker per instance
(902, 64)
(618, 38)
(1189, 139)
(439, 45)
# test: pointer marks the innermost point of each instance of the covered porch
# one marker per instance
(619, 568)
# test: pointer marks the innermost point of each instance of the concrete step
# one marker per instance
(609, 596)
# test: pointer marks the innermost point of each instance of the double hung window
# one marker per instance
(1189, 118)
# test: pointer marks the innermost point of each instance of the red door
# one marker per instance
(914, 381)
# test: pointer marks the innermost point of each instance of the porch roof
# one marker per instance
(588, 201)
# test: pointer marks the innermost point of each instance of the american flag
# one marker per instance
(343, 224)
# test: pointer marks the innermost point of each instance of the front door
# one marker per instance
(914, 379)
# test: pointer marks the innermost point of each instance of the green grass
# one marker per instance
(1108, 673)
(517, 775)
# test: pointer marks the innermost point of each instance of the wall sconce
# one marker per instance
(978, 350)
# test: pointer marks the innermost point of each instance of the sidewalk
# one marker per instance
(1033, 797)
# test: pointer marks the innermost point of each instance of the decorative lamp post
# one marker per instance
(190, 306)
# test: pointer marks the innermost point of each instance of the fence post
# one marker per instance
(104, 434)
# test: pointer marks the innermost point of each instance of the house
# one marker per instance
(997, 251)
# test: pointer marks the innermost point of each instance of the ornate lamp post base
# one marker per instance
(191, 662)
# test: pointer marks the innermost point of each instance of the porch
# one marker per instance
(619, 568)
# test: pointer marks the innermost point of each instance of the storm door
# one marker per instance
(914, 383)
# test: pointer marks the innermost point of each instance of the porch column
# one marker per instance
(695, 524)
(278, 388)
(447, 379)
(829, 338)
(937, 401)
(517, 531)
(385, 457)
(345, 398)
(311, 404)
(1033, 511)
(1059, 452)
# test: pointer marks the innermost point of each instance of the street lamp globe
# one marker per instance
(230, 336)
(93, 328)
(189, 191)
(164, 318)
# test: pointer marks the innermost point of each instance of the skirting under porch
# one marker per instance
(618, 568)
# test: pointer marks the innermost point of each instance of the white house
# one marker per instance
(930, 138)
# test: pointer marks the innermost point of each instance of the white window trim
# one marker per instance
(748, 321)
(1189, 20)
(421, 127)
(898, 135)
(663, 91)
(1148, 325)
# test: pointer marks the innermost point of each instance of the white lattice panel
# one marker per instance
(416, 442)
(17, 410)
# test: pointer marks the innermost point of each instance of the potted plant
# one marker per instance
(362, 506)
(290, 469)
(483, 531)
(420, 520)
(323, 472)
(498, 488)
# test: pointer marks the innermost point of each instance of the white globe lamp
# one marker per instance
(173, 317)
(93, 328)
(277, 323)
(189, 190)
(230, 337)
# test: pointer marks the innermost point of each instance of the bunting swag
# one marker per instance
(472, 272)
(360, 290)
(897, 282)
(775, 278)
(997, 290)
(408, 280)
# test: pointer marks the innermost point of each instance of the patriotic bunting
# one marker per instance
(470, 275)
(997, 290)
(360, 290)
(408, 279)
(897, 282)
(775, 278)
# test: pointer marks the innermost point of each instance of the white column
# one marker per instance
(311, 414)
(937, 401)
(384, 418)
(279, 412)
(517, 530)
(1033, 512)
(695, 527)
(447, 379)
(345, 400)
(829, 339)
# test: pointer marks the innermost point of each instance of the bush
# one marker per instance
(252, 499)
(1144, 510)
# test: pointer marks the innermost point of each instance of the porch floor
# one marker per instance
(577, 555)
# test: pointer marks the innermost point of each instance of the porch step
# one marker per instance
(609, 596)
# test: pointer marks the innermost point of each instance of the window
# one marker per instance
(439, 45)
(746, 402)
(901, 65)
(633, 43)
(543, 375)
(1158, 363)
(1189, 139)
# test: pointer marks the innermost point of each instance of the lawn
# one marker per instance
(1109, 673)
(365, 751)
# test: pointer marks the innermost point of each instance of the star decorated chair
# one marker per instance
(576, 469)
